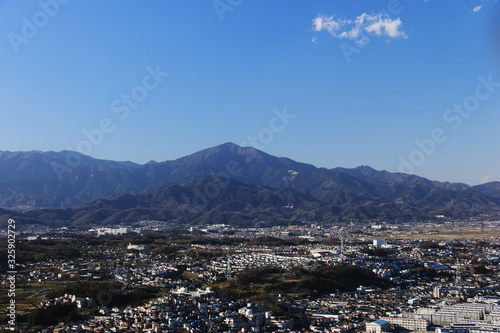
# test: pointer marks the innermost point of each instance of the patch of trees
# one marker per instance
(481, 269)
(428, 245)
(109, 293)
(325, 279)
(257, 275)
(429, 272)
(32, 251)
(482, 243)
(342, 277)
(53, 315)
(375, 252)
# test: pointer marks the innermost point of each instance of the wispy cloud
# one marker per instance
(477, 8)
(363, 25)
(485, 179)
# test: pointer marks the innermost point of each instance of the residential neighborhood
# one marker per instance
(210, 280)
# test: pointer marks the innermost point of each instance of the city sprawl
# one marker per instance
(156, 276)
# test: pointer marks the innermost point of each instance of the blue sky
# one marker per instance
(331, 83)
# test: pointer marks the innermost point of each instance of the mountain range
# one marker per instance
(223, 184)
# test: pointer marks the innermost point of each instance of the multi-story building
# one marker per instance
(412, 324)
(378, 326)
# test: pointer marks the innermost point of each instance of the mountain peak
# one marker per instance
(229, 145)
(29, 181)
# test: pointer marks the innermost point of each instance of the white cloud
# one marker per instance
(325, 23)
(485, 179)
(359, 28)
(387, 26)
(477, 8)
(314, 40)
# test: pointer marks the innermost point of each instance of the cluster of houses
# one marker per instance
(434, 287)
